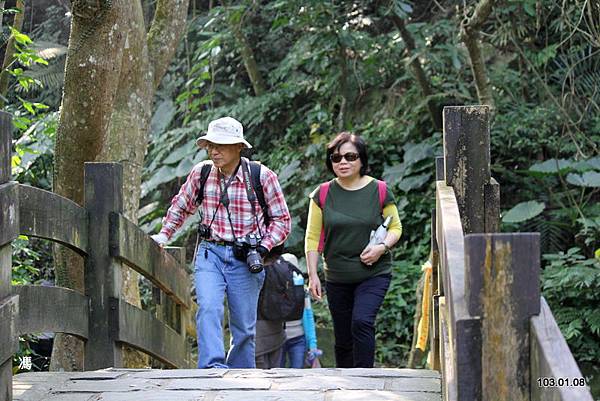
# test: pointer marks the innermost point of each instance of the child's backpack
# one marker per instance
(281, 299)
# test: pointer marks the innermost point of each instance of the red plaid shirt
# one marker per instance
(184, 204)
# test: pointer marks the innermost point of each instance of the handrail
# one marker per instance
(463, 331)
(38, 311)
(141, 330)
(552, 359)
(131, 245)
(493, 341)
(47, 215)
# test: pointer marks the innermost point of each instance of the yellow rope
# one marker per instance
(423, 328)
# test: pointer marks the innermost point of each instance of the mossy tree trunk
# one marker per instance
(10, 49)
(96, 45)
(112, 72)
(145, 62)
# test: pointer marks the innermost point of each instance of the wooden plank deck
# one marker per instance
(230, 385)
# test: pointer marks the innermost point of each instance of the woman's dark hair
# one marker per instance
(357, 141)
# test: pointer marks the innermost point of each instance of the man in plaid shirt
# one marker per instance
(227, 216)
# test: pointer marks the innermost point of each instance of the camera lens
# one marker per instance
(254, 261)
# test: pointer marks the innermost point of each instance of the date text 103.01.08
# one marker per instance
(561, 382)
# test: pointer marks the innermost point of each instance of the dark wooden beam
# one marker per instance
(131, 245)
(8, 304)
(103, 195)
(504, 288)
(52, 309)
(491, 200)
(440, 175)
(467, 161)
(9, 311)
(9, 212)
(47, 215)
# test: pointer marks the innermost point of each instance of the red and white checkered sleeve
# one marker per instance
(281, 223)
(183, 204)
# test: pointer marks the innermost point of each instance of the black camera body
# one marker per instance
(204, 231)
(245, 249)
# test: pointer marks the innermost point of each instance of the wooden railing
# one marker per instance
(108, 242)
(492, 334)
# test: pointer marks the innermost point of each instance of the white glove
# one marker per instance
(160, 238)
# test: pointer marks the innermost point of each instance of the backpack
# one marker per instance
(324, 190)
(258, 190)
(281, 299)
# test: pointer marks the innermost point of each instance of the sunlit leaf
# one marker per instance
(523, 211)
(589, 179)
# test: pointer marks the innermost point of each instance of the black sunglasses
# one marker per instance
(350, 156)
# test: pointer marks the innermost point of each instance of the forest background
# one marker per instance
(297, 72)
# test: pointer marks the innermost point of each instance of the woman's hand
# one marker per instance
(314, 285)
(372, 254)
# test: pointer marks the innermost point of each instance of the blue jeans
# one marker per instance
(295, 349)
(218, 272)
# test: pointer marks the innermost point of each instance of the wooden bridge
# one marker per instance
(492, 336)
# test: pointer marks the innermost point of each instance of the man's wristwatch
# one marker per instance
(387, 248)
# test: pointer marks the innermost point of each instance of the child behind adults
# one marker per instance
(299, 333)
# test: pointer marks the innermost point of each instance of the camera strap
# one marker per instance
(250, 193)
(224, 198)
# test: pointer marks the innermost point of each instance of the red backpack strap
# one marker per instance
(382, 187)
(323, 190)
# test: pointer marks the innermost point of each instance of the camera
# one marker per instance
(204, 231)
(245, 249)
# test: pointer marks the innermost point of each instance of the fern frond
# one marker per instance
(51, 76)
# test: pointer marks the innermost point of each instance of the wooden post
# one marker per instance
(173, 310)
(503, 288)
(440, 175)
(9, 304)
(183, 315)
(491, 200)
(467, 161)
(103, 195)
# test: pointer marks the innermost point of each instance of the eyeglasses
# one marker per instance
(350, 157)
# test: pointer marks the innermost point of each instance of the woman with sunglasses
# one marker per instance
(357, 277)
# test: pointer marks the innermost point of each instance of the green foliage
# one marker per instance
(571, 283)
(330, 67)
(394, 326)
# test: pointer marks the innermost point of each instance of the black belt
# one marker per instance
(222, 243)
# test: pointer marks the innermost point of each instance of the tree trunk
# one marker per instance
(93, 61)
(470, 36)
(145, 61)
(10, 50)
(434, 111)
(247, 53)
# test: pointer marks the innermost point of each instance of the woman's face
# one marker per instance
(345, 168)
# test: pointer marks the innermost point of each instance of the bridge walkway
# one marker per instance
(230, 385)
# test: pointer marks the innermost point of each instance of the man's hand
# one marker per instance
(160, 238)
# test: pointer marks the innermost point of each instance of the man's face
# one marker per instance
(224, 156)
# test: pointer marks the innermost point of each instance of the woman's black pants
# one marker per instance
(354, 308)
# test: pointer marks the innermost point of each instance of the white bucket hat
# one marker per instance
(224, 131)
